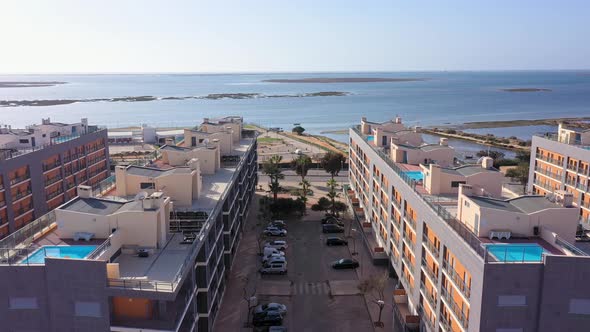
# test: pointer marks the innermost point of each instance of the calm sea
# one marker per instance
(446, 97)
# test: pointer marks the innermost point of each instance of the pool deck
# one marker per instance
(52, 239)
(542, 243)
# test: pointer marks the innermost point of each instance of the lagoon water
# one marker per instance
(444, 98)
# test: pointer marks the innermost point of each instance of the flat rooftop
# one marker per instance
(93, 205)
(522, 204)
(154, 172)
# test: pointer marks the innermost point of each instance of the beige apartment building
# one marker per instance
(467, 259)
(152, 254)
(561, 161)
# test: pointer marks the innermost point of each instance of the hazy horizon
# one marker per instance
(263, 36)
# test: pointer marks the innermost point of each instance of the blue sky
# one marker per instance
(292, 36)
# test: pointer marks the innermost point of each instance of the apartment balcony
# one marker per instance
(444, 323)
(429, 321)
(432, 249)
(550, 174)
(51, 181)
(50, 166)
(408, 239)
(402, 313)
(397, 204)
(19, 179)
(53, 195)
(429, 272)
(456, 279)
(543, 185)
(553, 161)
(94, 149)
(407, 261)
(23, 210)
(582, 187)
(429, 297)
(411, 222)
(2, 204)
(94, 161)
(455, 309)
(21, 194)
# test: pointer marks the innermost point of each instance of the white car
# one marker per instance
(275, 260)
(275, 268)
(271, 256)
(275, 231)
(277, 244)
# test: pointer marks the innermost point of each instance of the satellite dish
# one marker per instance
(140, 195)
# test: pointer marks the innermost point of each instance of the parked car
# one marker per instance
(336, 241)
(269, 319)
(333, 221)
(270, 250)
(278, 223)
(274, 260)
(272, 256)
(273, 224)
(332, 229)
(329, 218)
(275, 231)
(345, 263)
(263, 309)
(275, 268)
(277, 244)
(277, 329)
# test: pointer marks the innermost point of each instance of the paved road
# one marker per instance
(310, 306)
(314, 176)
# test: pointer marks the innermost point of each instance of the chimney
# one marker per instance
(84, 191)
(487, 162)
(398, 120)
(444, 141)
(153, 201)
(46, 121)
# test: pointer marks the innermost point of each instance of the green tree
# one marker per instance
(332, 163)
(298, 130)
(332, 194)
(323, 204)
(301, 166)
(520, 173)
(523, 156)
(272, 168)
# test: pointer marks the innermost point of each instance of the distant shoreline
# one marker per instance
(16, 84)
(343, 80)
(526, 90)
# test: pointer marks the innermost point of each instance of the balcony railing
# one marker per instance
(543, 185)
(549, 159)
(50, 166)
(409, 239)
(428, 296)
(548, 173)
(1, 186)
(54, 194)
(455, 308)
(444, 322)
(427, 320)
(53, 180)
(429, 271)
(22, 194)
(20, 178)
(460, 229)
(431, 247)
(411, 221)
(461, 285)
(407, 260)
(572, 167)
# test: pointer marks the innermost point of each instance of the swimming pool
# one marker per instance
(38, 257)
(519, 252)
(415, 175)
(370, 138)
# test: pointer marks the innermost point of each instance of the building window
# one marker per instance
(511, 300)
(467, 204)
(23, 141)
(23, 303)
(455, 184)
(87, 309)
(147, 185)
(580, 306)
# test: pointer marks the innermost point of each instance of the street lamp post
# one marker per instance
(354, 253)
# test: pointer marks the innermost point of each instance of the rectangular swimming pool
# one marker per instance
(78, 252)
(517, 252)
(415, 175)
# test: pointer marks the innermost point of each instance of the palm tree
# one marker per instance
(301, 166)
(272, 169)
(332, 194)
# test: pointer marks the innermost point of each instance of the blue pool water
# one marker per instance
(415, 175)
(38, 257)
(370, 138)
(517, 252)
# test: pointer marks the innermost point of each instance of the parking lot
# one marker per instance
(318, 298)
